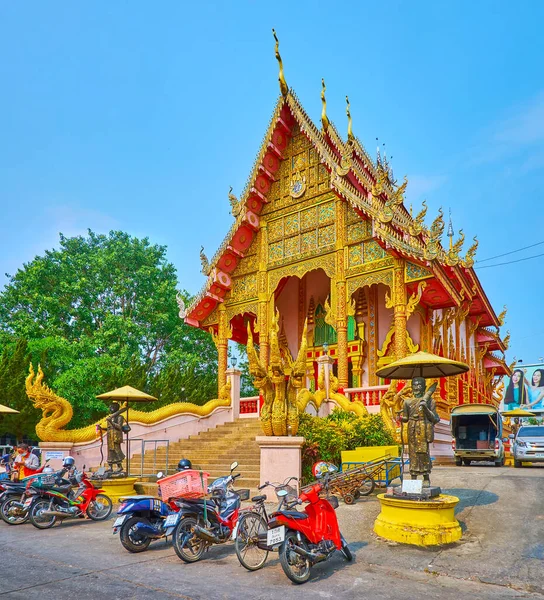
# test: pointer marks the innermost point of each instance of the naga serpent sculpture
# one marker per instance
(57, 412)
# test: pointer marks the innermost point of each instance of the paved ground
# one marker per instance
(500, 556)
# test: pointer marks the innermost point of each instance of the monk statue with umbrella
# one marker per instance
(419, 411)
(118, 427)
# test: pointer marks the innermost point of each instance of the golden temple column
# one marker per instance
(262, 279)
(341, 309)
(357, 370)
(399, 307)
(222, 348)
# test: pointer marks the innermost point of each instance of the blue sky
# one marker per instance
(139, 116)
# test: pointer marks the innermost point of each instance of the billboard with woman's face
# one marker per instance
(525, 389)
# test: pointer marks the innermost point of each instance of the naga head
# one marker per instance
(53, 407)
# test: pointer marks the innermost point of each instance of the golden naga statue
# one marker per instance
(57, 412)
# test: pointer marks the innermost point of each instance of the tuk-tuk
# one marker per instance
(477, 431)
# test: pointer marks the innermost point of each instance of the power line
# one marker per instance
(510, 262)
(511, 252)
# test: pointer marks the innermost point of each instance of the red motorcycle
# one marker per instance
(60, 503)
(306, 538)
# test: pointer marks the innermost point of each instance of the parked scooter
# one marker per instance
(60, 504)
(203, 522)
(306, 538)
(15, 506)
(17, 497)
(145, 518)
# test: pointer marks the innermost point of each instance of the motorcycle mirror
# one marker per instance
(233, 466)
(160, 475)
(281, 493)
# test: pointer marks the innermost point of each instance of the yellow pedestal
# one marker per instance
(117, 488)
(420, 523)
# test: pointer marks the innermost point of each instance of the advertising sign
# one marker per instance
(525, 389)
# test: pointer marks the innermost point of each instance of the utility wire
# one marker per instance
(511, 252)
(510, 262)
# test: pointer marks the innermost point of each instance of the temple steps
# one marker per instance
(212, 451)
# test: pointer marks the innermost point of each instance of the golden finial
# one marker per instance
(457, 247)
(348, 113)
(437, 228)
(501, 318)
(281, 78)
(324, 118)
(471, 253)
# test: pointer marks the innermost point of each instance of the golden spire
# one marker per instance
(281, 78)
(324, 118)
(348, 113)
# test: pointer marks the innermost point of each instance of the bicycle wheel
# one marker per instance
(250, 526)
(367, 486)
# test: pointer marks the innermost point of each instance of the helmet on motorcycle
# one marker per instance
(68, 462)
(321, 468)
(48, 470)
(184, 464)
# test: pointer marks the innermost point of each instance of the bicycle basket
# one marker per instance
(243, 494)
(185, 484)
(292, 493)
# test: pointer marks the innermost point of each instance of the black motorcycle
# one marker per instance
(203, 523)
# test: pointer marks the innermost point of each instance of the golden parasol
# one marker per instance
(422, 364)
(7, 409)
(518, 412)
(127, 394)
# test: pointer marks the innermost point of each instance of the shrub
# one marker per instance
(325, 438)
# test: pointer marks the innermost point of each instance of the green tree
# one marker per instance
(13, 371)
(100, 312)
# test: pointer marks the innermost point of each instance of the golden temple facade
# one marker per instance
(321, 234)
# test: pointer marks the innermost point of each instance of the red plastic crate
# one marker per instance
(185, 484)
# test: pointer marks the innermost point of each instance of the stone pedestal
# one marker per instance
(56, 452)
(418, 522)
(280, 458)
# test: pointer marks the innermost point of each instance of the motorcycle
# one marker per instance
(16, 497)
(309, 537)
(58, 504)
(202, 523)
(143, 519)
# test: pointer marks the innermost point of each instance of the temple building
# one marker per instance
(321, 234)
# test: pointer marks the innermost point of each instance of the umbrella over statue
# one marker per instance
(117, 425)
(419, 411)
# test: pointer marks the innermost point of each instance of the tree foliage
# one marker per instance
(98, 313)
(325, 438)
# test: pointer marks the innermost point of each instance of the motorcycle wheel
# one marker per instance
(12, 519)
(367, 486)
(100, 508)
(248, 552)
(192, 550)
(345, 550)
(130, 541)
(38, 519)
(295, 566)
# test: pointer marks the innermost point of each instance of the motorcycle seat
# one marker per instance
(196, 502)
(258, 498)
(293, 514)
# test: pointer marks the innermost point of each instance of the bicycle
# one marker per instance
(252, 528)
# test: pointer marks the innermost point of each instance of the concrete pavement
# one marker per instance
(501, 555)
